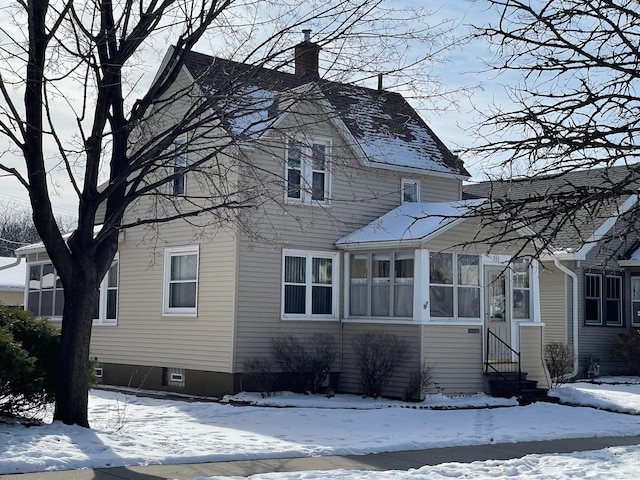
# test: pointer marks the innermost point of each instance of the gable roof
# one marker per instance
(542, 201)
(411, 224)
(386, 128)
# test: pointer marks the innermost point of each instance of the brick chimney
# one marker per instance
(306, 56)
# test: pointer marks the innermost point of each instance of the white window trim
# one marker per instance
(412, 181)
(599, 298)
(335, 284)
(179, 311)
(102, 295)
(306, 170)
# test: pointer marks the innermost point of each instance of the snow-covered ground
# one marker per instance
(136, 430)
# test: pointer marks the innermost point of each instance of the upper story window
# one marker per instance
(381, 284)
(179, 184)
(454, 285)
(410, 190)
(602, 299)
(308, 178)
(181, 280)
(45, 297)
(309, 285)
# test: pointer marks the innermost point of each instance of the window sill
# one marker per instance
(110, 323)
(180, 314)
(309, 319)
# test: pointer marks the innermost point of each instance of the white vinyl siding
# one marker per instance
(180, 280)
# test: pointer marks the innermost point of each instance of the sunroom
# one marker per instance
(424, 268)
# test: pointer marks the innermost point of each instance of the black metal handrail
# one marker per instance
(498, 352)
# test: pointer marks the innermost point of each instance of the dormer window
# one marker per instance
(410, 190)
(307, 175)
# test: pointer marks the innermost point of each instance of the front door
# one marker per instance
(497, 318)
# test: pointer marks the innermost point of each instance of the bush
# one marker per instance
(308, 363)
(419, 382)
(628, 349)
(28, 362)
(259, 376)
(377, 355)
(558, 358)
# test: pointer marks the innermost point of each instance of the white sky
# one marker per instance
(129, 430)
(449, 126)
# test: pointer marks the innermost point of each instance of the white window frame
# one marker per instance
(597, 298)
(170, 252)
(635, 300)
(309, 255)
(103, 296)
(179, 162)
(28, 289)
(456, 285)
(307, 170)
(409, 181)
(391, 281)
(607, 298)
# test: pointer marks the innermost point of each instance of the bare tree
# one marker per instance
(573, 70)
(82, 57)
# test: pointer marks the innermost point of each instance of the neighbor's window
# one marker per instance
(410, 191)
(179, 185)
(310, 284)
(307, 175)
(603, 299)
(45, 297)
(181, 280)
(454, 286)
(381, 284)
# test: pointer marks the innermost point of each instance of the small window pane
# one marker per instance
(468, 302)
(112, 276)
(358, 300)
(380, 301)
(295, 269)
(33, 302)
(404, 268)
(112, 296)
(403, 300)
(441, 300)
(59, 306)
(441, 268)
(381, 268)
(46, 305)
(48, 276)
(321, 270)
(294, 299)
(35, 274)
(317, 188)
(318, 155)
(521, 304)
(294, 154)
(322, 300)
(182, 295)
(410, 192)
(592, 311)
(184, 267)
(468, 270)
(358, 270)
(293, 184)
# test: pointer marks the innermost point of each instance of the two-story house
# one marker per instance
(362, 228)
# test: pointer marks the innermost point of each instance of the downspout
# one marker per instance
(574, 279)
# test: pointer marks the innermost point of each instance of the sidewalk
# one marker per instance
(403, 460)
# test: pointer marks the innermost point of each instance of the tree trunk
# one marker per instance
(72, 390)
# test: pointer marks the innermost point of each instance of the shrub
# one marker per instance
(28, 362)
(377, 355)
(259, 376)
(558, 358)
(419, 382)
(628, 349)
(308, 363)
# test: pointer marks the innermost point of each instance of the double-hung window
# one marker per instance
(307, 175)
(454, 287)
(105, 310)
(381, 284)
(520, 289)
(181, 280)
(179, 166)
(310, 285)
(635, 300)
(603, 299)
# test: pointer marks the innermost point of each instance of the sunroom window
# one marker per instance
(454, 287)
(381, 284)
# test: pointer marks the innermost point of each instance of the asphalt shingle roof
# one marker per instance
(387, 129)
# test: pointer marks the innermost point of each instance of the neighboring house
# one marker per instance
(590, 285)
(366, 232)
(12, 278)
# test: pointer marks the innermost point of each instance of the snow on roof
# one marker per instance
(12, 278)
(411, 222)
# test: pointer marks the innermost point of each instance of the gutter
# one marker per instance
(11, 265)
(574, 312)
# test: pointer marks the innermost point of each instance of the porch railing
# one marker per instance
(503, 361)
